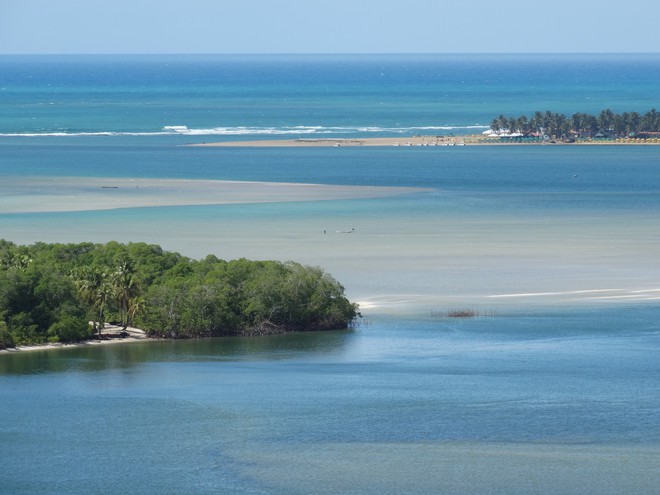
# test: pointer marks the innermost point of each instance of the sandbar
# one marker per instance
(422, 141)
(339, 142)
(61, 194)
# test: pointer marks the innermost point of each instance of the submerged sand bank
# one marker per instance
(60, 194)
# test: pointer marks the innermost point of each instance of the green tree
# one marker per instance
(606, 120)
(500, 124)
(522, 124)
(650, 121)
(6, 338)
(536, 123)
(23, 329)
(95, 290)
(125, 289)
(633, 120)
(16, 261)
(180, 298)
(70, 328)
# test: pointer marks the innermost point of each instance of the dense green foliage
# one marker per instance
(50, 292)
(557, 125)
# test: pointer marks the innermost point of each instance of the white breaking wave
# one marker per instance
(245, 131)
(235, 131)
(248, 131)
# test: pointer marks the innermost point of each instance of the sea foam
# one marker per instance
(251, 131)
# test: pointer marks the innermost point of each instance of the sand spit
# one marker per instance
(415, 141)
(59, 194)
(339, 142)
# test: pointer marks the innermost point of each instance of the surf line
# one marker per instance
(541, 294)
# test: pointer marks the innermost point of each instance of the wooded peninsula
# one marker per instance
(66, 292)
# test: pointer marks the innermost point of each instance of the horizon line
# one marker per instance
(328, 53)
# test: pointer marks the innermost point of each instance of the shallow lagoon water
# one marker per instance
(492, 221)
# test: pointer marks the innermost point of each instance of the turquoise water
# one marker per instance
(556, 393)
(244, 96)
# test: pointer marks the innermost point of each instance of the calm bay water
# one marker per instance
(554, 394)
(544, 404)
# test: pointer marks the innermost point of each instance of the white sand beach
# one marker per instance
(134, 335)
(339, 142)
(467, 140)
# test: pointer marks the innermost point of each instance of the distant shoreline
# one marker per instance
(421, 141)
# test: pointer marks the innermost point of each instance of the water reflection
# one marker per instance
(92, 358)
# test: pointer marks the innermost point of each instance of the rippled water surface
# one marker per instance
(536, 403)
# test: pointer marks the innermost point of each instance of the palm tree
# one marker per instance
(633, 122)
(522, 124)
(136, 306)
(16, 261)
(536, 123)
(94, 289)
(583, 124)
(563, 125)
(606, 120)
(591, 125)
(650, 121)
(618, 125)
(551, 123)
(500, 124)
(125, 290)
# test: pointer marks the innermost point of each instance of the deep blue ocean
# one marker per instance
(558, 394)
(157, 96)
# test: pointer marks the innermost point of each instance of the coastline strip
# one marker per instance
(134, 335)
(339, 142)
(421, 141)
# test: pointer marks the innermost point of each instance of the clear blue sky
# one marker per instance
(332, 26)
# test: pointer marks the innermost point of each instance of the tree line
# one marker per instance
(66, 292)
(580, 125)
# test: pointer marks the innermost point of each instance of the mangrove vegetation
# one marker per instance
(66, 292)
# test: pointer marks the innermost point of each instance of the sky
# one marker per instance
(331, 26)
